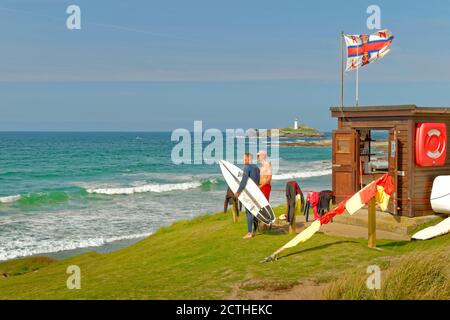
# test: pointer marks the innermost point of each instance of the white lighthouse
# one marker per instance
(296, 124)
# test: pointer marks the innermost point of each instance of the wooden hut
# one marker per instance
(358, 158)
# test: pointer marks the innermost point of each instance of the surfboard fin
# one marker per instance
(266, 215)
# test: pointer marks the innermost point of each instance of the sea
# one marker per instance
(63, 193)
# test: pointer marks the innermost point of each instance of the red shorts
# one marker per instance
(266, 190)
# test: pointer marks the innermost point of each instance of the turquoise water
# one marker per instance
(64, 191)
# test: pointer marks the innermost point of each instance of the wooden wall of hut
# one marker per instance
(414, 183)
(423, 176)
(405, 152)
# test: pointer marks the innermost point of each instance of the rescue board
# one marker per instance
(440, 195)
(440, 229)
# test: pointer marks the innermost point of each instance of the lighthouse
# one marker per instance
(296, 124)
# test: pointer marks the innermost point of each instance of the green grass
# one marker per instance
(203, 258)
(22, 266)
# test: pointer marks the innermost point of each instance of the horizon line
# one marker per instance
(111, 131)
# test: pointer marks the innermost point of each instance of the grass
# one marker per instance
(22, 266)
(203, 258)
(414, 276)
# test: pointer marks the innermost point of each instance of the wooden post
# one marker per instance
(293, 225)
(372, 224)
(234, 213)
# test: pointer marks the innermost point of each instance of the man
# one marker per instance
(266, 174)
(250, 171)
(265, 168)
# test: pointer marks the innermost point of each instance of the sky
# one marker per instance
(159, 65)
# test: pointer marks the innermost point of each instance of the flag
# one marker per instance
(361, 198)
(381, 189)
(364, 49)
(385, 188)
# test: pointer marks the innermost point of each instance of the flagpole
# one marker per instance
(357, 74)
(342, 69)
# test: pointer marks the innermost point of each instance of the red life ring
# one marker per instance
(431, 144)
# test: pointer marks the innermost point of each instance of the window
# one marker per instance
(342, 145)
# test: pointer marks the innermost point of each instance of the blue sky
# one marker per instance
(160, 65)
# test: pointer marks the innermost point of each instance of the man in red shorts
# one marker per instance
(265, 174)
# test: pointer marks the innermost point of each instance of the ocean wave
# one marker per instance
(146, 188)
(302, 174)
(52, 246)
(302, 169)
(45, 197)
(212, 181)
(9, 173)
(60, 196)
(42, 198)
(9, 199)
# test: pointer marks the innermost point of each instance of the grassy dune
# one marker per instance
(417, 276)
(202, 258)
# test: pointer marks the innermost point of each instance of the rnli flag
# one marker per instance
(363, 49)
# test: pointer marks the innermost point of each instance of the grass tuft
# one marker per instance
(22, 266)
(423, 276)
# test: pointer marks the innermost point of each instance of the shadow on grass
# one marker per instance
(323, 246)
(274, 231)
(284, 229)
(394, 244)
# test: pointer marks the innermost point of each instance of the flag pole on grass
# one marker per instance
(342, 69)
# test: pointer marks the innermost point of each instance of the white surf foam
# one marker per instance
(10, 199)
(146, 188)
(52, 246)
(301, 174)
(303, 170)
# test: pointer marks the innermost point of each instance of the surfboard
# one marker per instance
(440, 195)
(440, 229)
(251, 197)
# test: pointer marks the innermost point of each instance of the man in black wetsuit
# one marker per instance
(250, 171)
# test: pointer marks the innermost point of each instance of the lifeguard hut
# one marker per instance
(414, 143)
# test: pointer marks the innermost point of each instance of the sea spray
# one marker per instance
(146, 188)
(53, 246)
(10, 199)
(302, 174)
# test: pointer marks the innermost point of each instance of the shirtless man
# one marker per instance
(265, 174)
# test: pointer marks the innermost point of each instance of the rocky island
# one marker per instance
(300, 132)
(310, 143)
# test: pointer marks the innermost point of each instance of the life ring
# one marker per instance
(431, 144)
(435, 144)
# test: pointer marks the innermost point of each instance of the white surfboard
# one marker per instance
(251, 197)
(440, 229)
(440, 195)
